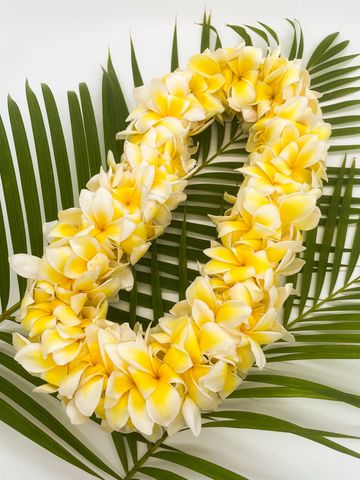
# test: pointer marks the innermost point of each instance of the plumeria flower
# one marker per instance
(280, 79)
(245, 65)
(300, 210)
(156, 392)
(105, 216)
(287, 168)
(167, 98)
(236, 264)
(252, 218)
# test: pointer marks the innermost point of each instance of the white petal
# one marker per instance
(26, 266)
(192, 416)
(88, 396)
(258, 353)
(138, 414)
(102, 207)
(46, 388)
(69, 385)
(76, 418)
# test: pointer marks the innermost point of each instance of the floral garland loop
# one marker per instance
(196, 355)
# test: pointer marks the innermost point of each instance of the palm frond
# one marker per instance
(323, 316)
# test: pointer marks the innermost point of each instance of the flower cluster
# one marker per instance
(200, 352)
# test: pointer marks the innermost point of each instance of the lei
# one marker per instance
(199, 353)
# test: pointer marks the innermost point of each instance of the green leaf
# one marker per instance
(339, 93)
(294, 45)
(259, 421)
(183, 268)
(345, 132)
(354, 255)
(343, 119)
(91, 133)
(271, 31)
(315, 389)
(138, 81)
(333, 62)
(329, 232)
(321, 49)
(312, 352)
(196, 464)
(160, 474)
(115, 110)
(260, 32)
(131, 440)
(59, 148)
(18, 422)
(205, 33)
(326, 87)
(79, 142)
(133, 300)
(342, 225)
(4, 265)
(13, 204)
(119, 442)
(43, 155)
(157, 301)
(27, 177)
(310, 241)
(300, 51)
(331, 52)
(45, 418)
(174, 50)
(242, 33)
(332, 74)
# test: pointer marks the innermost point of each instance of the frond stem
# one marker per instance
(322, 302)
(145, 457)
(218, 152)
(7, 313)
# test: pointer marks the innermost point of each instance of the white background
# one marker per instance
(64, 42)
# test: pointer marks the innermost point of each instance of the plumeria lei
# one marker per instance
(196, 355)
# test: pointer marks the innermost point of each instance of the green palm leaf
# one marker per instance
(324, 316)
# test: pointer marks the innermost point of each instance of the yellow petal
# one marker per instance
(145, 382)
(239, 274)
(164, 404)
(85, 246)
(55, 376)
(201, 312)
(204, 65)
(118, 415)
(74, 267)
(66, 354)
(138, 412)
(102, 207)
(296, 207)
(66, 316)
(31, 358)
(178, 359)
(242, 93)
(88, 396)
(136, 355)
(201, 289)
(233, 313)
(70, 383)
(214, 340)
(52, 341)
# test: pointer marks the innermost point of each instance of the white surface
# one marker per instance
(64, 42)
